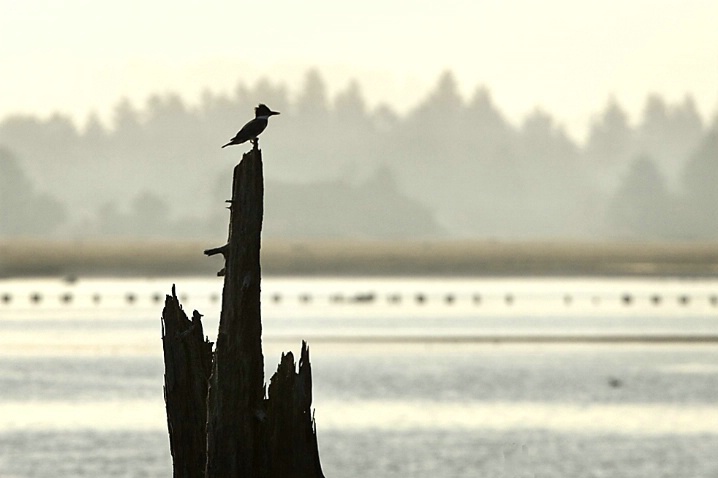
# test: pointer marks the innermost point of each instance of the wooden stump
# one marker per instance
(291, 430)
(249, 433)
(188, 362)
(237, 383)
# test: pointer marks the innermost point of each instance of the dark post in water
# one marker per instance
(249, 432)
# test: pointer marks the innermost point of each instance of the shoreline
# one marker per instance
(153, 258)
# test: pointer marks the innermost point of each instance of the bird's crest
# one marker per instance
(262, 110)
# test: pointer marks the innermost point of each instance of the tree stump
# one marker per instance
(249, 432)
(188, 363)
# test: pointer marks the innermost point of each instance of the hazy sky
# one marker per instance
(564, 56)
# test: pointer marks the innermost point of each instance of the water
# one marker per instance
(412, 378)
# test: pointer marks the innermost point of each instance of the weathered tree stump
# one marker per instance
(291, 431)
(249, 433)
(188, 363)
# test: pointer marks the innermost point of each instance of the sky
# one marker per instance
(566, 57)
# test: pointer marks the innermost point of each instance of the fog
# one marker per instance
(452, 167)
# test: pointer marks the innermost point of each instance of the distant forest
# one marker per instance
(450, 168)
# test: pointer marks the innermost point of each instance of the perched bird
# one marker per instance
(254, 128)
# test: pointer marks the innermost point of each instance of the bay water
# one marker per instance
(413, 377)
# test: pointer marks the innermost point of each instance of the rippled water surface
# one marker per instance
(412, 378)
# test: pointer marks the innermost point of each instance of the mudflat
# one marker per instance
(20, 258)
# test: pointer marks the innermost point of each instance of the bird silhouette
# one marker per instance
(254, 128)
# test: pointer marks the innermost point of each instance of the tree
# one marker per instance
(60, 131)
(349, 105)
(643, 207)
(546, 142)
(483, 117)
(687, 123)
(669, 133)
(441, 113)
(700, 186)
(313, 102)
(14, 192)
(94, 132)
(22, 210)
(126, 119)
(444, 100)
(609, 140)
(19, 132)
(385, 118)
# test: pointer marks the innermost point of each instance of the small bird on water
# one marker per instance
(254, 128)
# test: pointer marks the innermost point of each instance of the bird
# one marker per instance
(253, 128)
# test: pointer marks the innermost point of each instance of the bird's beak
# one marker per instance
(271, 113)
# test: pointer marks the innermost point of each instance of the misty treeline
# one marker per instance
(451, 167)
